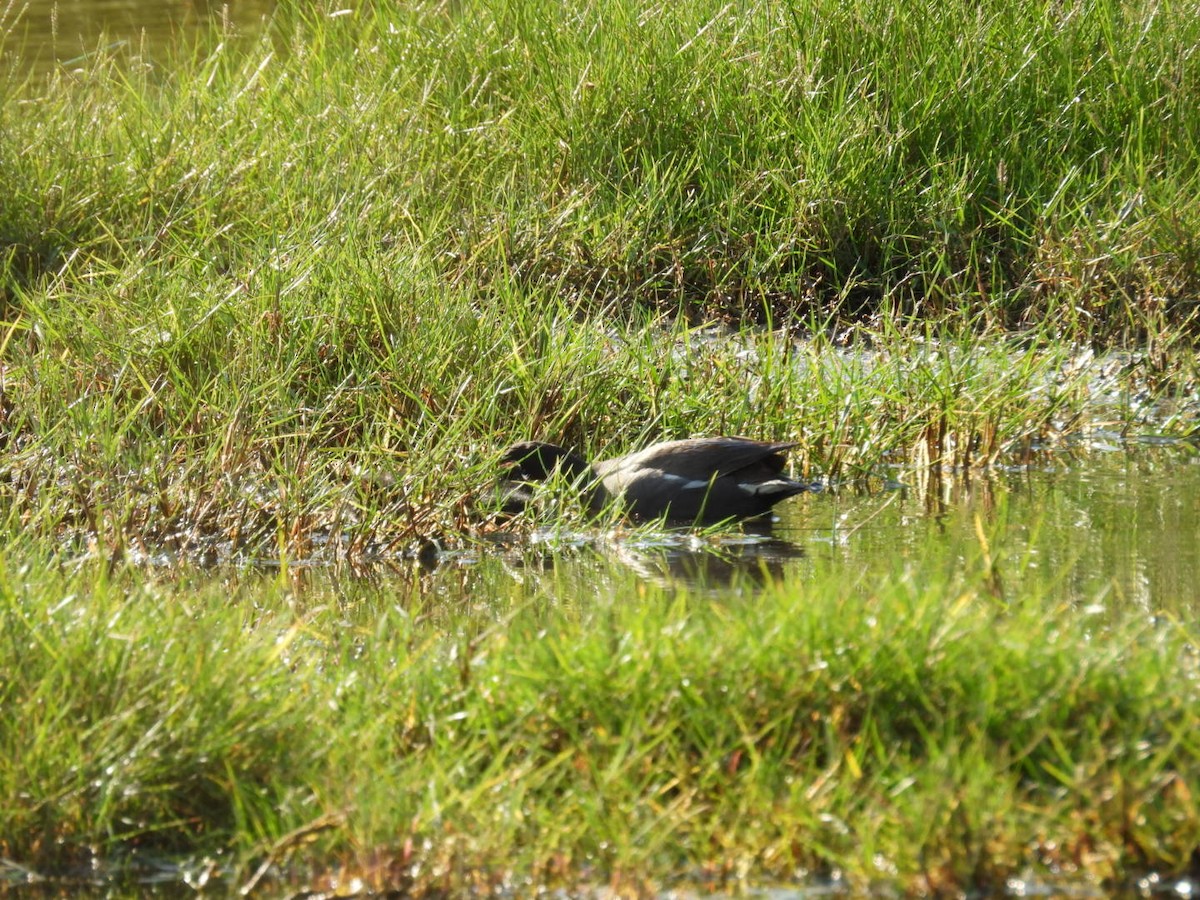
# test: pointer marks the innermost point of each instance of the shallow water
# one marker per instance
(1110, 527)
(64, 32)
(1107, 527)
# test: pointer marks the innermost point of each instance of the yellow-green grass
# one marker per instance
(1011, 162)
(919, 729)
(311, 285)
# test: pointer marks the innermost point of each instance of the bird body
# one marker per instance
(692, 480)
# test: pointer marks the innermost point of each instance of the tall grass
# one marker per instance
(164, 431)
(308, 285)
(289, 298)
(823, 157)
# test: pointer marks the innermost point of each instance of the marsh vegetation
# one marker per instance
(283, 300)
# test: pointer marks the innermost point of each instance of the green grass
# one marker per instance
(289, 297)
(313, 283)
(824, 158)
(914, 729)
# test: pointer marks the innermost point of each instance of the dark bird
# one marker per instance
(694, 480)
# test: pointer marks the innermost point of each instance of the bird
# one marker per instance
(695, 480)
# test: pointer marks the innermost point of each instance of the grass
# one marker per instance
(912, 729)
(311, 284)
(262, 282)
(288, 297)
(833, 158)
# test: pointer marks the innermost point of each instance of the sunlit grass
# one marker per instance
(310, 286)
(919, 729)
(276, 447)
(1008, 163)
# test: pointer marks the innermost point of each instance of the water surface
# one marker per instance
(1111, 527)
(45, 33)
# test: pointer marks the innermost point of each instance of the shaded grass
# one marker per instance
(914, 730)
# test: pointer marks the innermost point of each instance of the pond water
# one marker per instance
(1108, 525)
(43, 33)
(1111, 526)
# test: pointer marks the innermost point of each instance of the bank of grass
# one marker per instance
(1025, 161)
(859, 157)
(920, 731)
(308, 283)
(373, 423)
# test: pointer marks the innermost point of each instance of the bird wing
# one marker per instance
(701, 459)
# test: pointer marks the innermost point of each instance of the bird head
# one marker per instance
(533, 461)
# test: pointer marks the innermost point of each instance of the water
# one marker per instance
(46, 33)
(1114, 526)
(1109, 528)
